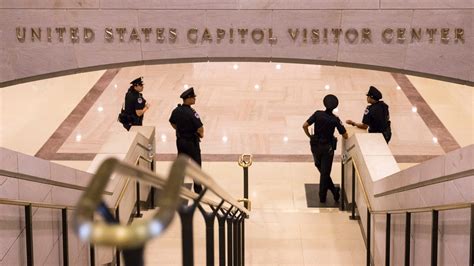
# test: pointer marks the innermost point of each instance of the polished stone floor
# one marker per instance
(253, 108)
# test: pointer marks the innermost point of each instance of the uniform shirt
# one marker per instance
(377, 117)
(324, 124)
(187, 122)
(134, 101)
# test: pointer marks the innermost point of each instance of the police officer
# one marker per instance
(376, 115)
(135, 105)
(323, 143)
(189, 129)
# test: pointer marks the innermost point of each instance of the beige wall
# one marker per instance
(22, 60)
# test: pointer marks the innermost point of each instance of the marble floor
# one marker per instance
(256, 108)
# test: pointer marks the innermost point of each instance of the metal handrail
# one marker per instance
(35, 204)
(124, 188)
(136, 234)
(36, 179)
(408, 212)
(194, 171)
(427, 209)
(433, 181)
(369, 206)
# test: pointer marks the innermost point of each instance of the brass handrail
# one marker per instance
(35, 204)
(427, 209)
(194, 171)
(124, 188)
(136, 234)
(40, 180)
(361, 183)
(433, 181)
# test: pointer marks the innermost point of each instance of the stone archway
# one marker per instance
(41, 42)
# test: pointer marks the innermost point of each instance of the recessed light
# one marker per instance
(115, 85)
(414, 109)
(100, 108)
(336, 110)
(285, 139)
(327, 87)
(398, 88)
(163, 137)
(435, 140)
(236, 66)
(78, 137)
(186, 86)
(224, 139)
(278, 66)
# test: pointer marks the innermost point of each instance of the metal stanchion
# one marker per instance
(245, 160)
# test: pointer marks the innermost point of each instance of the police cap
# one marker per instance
(330, 102)
(189, 93)
(374, 93)
(137, 81)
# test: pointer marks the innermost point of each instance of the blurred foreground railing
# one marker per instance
(213, 202)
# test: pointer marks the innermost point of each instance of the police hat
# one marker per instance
(374, 93)
(137, 81)
(330, 102)
(189, 93)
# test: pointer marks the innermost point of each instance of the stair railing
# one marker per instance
(170, 199)
(407, 211)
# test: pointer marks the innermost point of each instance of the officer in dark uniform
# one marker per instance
(135, 105)
(189, 129)
(376, 115)
(323, 143)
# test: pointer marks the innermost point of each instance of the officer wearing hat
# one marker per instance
(189, 129)
(135, 105)
(376, 116)
(323, 143)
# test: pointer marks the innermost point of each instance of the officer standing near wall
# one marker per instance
(323, 144)
(135, 105)
(376, 115)
(189, 129)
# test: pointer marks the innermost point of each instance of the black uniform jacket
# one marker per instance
(325, 123)
(187, 122)
(377, 117)
(134, 101)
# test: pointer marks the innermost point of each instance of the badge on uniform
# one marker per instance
(197, 115)
(140, 100)
(366, 111)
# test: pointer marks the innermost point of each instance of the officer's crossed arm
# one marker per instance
(305, 129)
(140, 112)
(200, 132)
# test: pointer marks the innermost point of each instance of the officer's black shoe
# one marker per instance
(322, 200)
(337, 194)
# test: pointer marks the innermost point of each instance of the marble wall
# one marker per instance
(276, 31)
(47, 237)
(380, 174)
(47, 231)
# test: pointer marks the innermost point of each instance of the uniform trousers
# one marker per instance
(323, 155)
(191, 148)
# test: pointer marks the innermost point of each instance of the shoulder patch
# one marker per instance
(197, 115)
(140, 100)
(366, 112)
